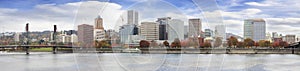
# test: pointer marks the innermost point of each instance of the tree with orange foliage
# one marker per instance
(232, 41)
(280, 44)
(201, 41)
(249, 42)
(206, 44)
(275, 44)
(240, 45)
(218, 42)
(176, 43)
(166, 43)
(144, 44)
(264, 43)
(192, 42)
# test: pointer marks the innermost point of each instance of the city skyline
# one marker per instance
(149, 35)
(233, 12)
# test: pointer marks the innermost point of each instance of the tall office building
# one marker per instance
(255, 29)
(99, 23)
(163, 22)
(150, 30)
(125, 31)
(132, 17)
(99, 32)
(175, 30)
(112, 35)
(194, 27)
(85, 35)
(186, 30)
(220, 31)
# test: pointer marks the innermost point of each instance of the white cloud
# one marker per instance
(69, 15)
(66, 16)
(151, 10)
(257, 4)
(244, 14)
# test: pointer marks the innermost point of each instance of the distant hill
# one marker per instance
(231, 34)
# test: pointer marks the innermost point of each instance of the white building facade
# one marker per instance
(255, 29)
(150, 30)
(195, 27)
(175, 29)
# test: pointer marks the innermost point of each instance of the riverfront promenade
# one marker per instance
(167, 50)
(224, 50)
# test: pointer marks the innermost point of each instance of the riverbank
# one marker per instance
(223, 51)
(172, 50)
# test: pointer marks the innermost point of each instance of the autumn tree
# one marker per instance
(176, 43)
(280, 44)
(248, 42)
(232, 41)
(218, 42)
(102, 44)
(153, 44)
(264, 43)
(206, 44)
(240, 45)
(201, 41)
(144, 44)
(193, 42)
(184, 43)
(283, 44)
(166, 43)
(275, 44)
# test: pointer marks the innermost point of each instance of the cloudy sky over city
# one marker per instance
(282, 16)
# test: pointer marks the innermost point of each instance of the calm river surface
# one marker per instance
(147, 62)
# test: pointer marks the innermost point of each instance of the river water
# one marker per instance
(148, 62)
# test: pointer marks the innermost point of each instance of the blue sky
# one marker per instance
(68, 13)
(29, 4)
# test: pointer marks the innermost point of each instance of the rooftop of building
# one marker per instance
(256, 20)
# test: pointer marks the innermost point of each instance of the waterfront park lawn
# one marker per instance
(41, 49)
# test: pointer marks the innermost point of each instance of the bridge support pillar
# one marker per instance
(27, 50)
(293, 51)
(54, 50)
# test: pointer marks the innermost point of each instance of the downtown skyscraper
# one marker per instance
(132, 17)
(194, 27)
(255, 29)
(220, 31)
(175, 30)
(150, 30)
(99, 33)
(85, 35)
(163, 22)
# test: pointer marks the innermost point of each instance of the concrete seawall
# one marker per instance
(223, 51)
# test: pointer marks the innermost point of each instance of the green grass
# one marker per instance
(41, 49)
